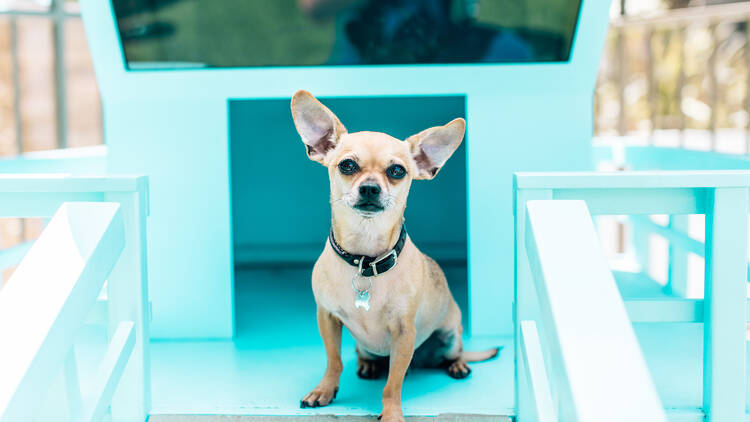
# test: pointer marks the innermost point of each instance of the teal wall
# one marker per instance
(280, 209)
(174, 127)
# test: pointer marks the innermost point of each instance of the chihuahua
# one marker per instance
(370, 277)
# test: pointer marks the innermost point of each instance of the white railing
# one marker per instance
(566, 296)
(598, 370)
(97, 233)
(676, 231)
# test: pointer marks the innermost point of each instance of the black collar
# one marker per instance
(372, 266)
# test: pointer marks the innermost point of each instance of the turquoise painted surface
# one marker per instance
(269, 167)
(720, 348)
(97, 234)
(658, 158)
(173, 126)
(278, 355)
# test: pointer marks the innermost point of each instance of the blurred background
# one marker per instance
(48, 93)
(673, 73)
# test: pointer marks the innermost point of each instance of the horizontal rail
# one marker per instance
(85, 160)
(65, 183)
(665, 310)
(634, 179)
(40, 195)
(602, 370)
(69, 262)
(675, 237)
(603, 201)
(681, 239)
(640, 158)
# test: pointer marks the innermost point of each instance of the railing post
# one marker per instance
(725, 298)
(713, 83)
(681, 83)
(539, 395)
(525, 297)
(622, 123)
(651, 84)
(747, 81)
(641, 247)
(678, 258)
(127, 295)
(72, 386)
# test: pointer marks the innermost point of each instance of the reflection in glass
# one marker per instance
(232, 33)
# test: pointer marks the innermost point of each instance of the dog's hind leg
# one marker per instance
(451, 332)
(370, 366)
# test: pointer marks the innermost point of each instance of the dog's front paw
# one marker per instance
(320, 396)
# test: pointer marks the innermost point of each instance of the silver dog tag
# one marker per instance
(362, 300)
(361, 297)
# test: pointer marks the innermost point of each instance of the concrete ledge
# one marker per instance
(323, 418)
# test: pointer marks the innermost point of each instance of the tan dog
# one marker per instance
(400, 312)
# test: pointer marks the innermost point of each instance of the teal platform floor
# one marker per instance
(278, 356)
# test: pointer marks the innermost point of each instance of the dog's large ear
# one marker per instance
(319, 128)
(432, 147)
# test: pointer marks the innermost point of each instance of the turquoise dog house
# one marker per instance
(234, 109)
(231, 240)
(204, 217)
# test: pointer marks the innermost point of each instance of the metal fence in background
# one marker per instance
(48, 93)
(679, 74)
(35, 30)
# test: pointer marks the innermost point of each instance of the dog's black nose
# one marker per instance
(369, 191)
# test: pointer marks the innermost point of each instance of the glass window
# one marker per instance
(173, 34)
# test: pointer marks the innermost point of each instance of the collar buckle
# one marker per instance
(381, 258)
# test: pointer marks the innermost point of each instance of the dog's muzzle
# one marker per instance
(369, 198)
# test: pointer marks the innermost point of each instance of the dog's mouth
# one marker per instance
(368, 207)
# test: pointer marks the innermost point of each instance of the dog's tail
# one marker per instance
(481, 355)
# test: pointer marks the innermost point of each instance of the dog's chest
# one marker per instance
(368, 327)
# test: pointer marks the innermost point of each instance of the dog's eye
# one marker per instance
(396, 171)
(348, 166)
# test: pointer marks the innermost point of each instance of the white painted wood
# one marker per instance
(675, 233)
(127, 293)
(72, 386)
(541, 406)
(61, 182)
(110, 371)
(40, 204)
(664, 309)
(603, 374)
(634, 179)
(678, 256)
(724, 343)
(79, 160)
(68, 263)
(525, 299)
(39, 195)
(603, 201)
